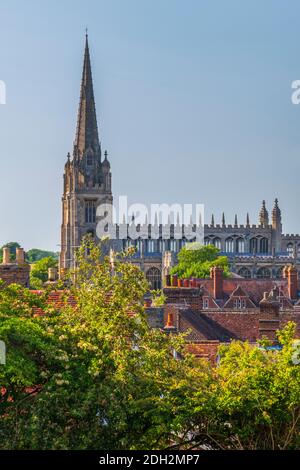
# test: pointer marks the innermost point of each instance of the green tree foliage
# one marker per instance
(39, 271)
(158, 298)
(196, 260)
(253, 399)
(112, 382)
(97, 377)
(35, 254)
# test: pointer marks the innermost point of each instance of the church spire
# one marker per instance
(87, 129)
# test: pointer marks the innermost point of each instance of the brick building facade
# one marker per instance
(218, 310)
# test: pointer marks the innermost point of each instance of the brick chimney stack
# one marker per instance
(292, 276)
(6, 255)
(20, 256)
(216, 274)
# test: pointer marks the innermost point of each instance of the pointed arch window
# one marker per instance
(153, 276)
(245, 272)
(229, 245)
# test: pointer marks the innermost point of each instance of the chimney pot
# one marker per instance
(20, 256)
(6, 255)
(52, 274)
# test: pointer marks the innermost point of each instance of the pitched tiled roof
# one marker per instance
(206, 326)
(254, 288)
(57, 298)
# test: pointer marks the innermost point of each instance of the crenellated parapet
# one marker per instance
(291, 236)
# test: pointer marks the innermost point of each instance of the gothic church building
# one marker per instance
(254, 251)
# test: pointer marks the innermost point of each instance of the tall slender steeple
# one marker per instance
(87, 180)
(87, 130)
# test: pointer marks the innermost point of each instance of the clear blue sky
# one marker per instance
(193, 101)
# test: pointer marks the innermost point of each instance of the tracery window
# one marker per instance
(153, 276)
(229, 245)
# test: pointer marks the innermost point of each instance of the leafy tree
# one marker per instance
(39, 271)
(35, 254)
(30, 352)
(95, 376)
(253, 400)
(196, 260)
(158, 298)
(113, 383)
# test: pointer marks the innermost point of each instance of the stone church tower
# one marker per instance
(87, 179)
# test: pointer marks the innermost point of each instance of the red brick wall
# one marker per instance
(243, 325)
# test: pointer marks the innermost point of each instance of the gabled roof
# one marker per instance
(239, 293)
